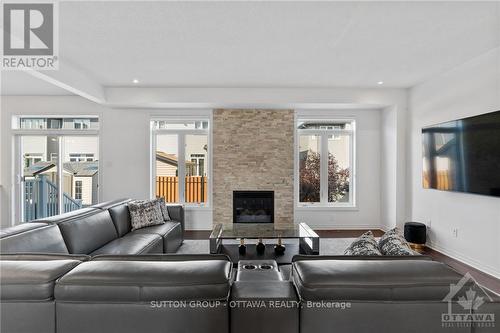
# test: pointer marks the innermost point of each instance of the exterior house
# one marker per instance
(80, 179)
(167, 165)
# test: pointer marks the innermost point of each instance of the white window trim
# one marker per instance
(16, 129)
(17, 158)
(203, 116)
(324, 204)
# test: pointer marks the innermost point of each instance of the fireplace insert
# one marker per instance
(253, 206)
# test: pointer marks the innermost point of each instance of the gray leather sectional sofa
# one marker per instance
(92, 274)
(387, 295)
(71, 294)
(200, 294)
(100, 229)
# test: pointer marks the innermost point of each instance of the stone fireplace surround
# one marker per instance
(253, 151)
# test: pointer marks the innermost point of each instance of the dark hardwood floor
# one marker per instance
(482, 278)
(204, 234)
(486, 280)
(197, 234)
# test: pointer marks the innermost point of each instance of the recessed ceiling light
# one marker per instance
(135, 81)
(380, 82)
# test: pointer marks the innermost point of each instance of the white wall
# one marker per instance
(470, 89)
(388, 168)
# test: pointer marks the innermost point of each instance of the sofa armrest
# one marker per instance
(301, 257)
(177, 214)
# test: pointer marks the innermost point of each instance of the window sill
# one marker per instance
(327, 208)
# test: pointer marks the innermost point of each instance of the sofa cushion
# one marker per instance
(164, 209)
(161, 229)
(133, 244)
(118, 209)
(170, 231)
(392, 243)
(32, 237)
(145, 213)
(364, 245)
(32, 280)
(83, 235)
(121, 218)
(373, 280)
(132, 280)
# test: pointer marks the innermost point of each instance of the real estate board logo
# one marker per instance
(468, 297)
(30, 39)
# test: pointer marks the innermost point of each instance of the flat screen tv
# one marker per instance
(463, 155)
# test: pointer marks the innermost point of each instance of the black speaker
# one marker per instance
(415, 232)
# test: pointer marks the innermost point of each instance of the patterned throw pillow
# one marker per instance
(365, 245)
(145, 213)
(393, 244)
(164, 210)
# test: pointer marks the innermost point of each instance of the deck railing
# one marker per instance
(196, 189)
(40, 199)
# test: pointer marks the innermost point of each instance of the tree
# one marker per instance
(309, 170)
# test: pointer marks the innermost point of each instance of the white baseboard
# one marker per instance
(345, 227)
(466, 260)
(198, 226)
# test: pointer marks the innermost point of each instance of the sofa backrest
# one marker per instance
(373, 280)
(62, 217)
(118, 209)
(32, 237)
(148, 278)
(85, 234)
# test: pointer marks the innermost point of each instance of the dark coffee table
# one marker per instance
(307, 241)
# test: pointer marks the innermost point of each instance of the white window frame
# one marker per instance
(18, 133)
(325, 135)
(181, 168)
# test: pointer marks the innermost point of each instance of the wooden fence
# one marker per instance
(195, 189)
(443, 180)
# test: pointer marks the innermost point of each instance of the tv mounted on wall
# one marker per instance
(463, 155)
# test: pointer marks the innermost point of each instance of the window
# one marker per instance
(180, 160)
(198, 161)
(325, 166)
(180, 124)
(78, 157)
(81, 123)
(54, 123)
(31, 159)
(57, 123)
(59, 171)
(32, 123)
(78, 189)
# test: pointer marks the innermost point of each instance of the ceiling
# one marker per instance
(268, 44)
(21, 83)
